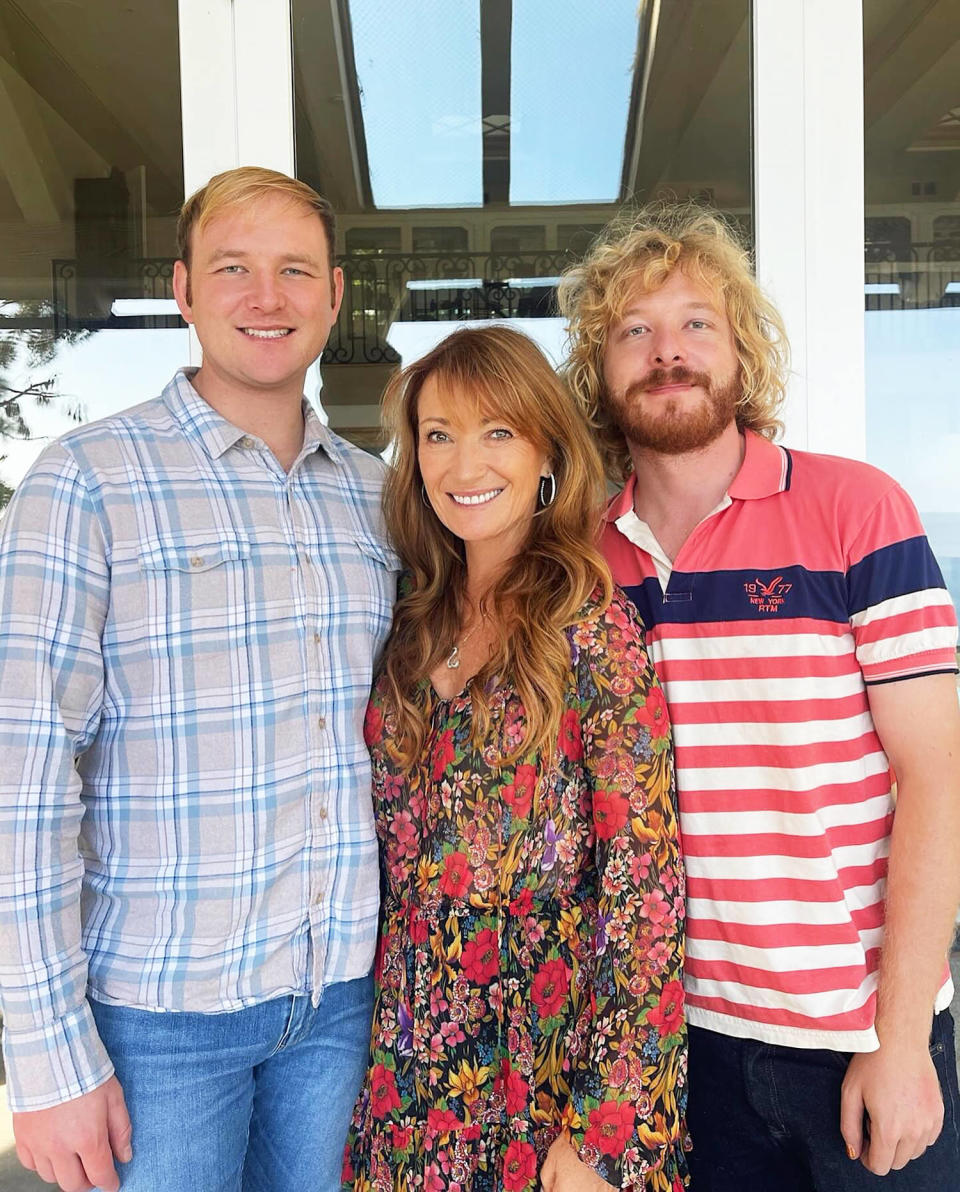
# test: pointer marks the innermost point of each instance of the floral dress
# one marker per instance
(529, 971)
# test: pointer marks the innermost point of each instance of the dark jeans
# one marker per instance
(767, 1119)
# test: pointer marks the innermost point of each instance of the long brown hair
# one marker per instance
(638, 251)
(549, 582)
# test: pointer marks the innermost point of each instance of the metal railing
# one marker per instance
(384, 288)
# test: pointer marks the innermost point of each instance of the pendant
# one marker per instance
(453, 661)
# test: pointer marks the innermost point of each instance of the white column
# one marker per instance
(808, 209)
(236, 90)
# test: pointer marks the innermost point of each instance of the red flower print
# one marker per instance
(402, 1136)
(419, 928)
(610, 1128)
(372, 724)
(570, 742)
(550, 988)
(513, 1087)
(519, 794)
(443, 754)
(442, 1121)
(523, 903)
(654, 714)
(347, 1174)
(455, 879)
(610, 810)
(667, 1017)
(519, 1166)
(384, 1098)
(481, 957)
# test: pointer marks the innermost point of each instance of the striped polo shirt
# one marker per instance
(810, 581)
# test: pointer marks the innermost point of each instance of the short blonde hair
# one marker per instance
(640, 250)
(247, 184)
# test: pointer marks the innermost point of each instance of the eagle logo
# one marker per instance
(767, 597)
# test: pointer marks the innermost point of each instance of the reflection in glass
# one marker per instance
(418, 78)
(90, 184)
(579, 159)
(507, 134)
(912, 259)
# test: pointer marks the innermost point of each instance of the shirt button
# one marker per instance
(196, 561)
(323, 813)
(318, 898)
(321, 722)
(247, 442)
(317, 638)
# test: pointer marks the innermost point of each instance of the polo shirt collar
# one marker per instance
(765, 470)
(200, 421)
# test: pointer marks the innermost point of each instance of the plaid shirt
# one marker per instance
(187, 641)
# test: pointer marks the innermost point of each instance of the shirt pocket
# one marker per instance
(371, 583)
(195, 594)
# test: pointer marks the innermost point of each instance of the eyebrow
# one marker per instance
(446, 421)
(286, 259)
(688, 306)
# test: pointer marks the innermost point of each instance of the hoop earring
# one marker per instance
(425, 500)
(544, 499)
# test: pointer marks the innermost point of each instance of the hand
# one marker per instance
(73, 1144)
(564, 1172)
(898, 1088)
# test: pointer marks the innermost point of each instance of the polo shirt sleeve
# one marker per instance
(903, 621)
(53, 599)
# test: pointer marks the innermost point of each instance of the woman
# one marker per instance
(528, 1023)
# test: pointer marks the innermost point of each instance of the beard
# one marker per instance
(675, 427)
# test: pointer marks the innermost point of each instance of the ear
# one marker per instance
(337, 296)
(181, 290)
(548, 467)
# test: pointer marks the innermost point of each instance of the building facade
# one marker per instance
(472, 148)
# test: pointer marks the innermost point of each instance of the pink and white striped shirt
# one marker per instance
(810, 581)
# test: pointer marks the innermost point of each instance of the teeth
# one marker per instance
(276, 333)
(479, 499)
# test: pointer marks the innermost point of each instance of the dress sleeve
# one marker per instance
(54, 579)
(628, 1093)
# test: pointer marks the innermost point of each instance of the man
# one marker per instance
(806, 645)
(193, 593)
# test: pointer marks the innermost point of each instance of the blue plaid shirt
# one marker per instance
(187, 638)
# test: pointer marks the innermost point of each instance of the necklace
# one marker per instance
(453, 659)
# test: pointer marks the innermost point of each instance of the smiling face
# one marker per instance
(481, 476)
(670, 367)
(262, 296)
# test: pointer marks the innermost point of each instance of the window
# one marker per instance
(439, 239)
(912, 260)
(90, 183)
(438, 115)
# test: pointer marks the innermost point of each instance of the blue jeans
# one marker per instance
(257, 1100)
(767, 1119)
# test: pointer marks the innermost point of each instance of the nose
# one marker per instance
(467, 465)
(665, 348)
(265, 294)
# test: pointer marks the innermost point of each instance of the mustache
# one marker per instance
(678, 375)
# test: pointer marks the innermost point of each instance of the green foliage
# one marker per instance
(36, 346)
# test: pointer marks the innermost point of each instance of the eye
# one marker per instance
(699, 324)
(296, 272)
(501, 433)
(436, 436)
(637, 331)
(231, 269)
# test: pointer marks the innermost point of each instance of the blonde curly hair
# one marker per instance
(640, 250)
